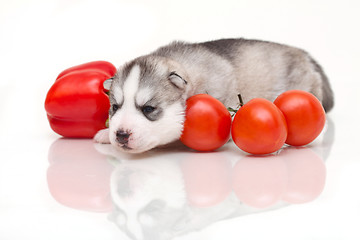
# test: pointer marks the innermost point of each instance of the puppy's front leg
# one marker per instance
(102, 136)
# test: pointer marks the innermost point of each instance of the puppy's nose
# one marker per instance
(122, 136)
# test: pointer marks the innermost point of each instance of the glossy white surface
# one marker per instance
(52, 188)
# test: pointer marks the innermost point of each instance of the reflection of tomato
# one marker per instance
(297, 175)
(259, 127)
(207, 123)
(304, 115)
(207, 178)
(306, 175)
(260, 181)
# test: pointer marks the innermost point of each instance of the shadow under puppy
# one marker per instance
(148, 94)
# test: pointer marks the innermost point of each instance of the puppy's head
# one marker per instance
(147, 99)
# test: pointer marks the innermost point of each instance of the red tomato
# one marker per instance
(304, 115)
(259, 127)
(207, 123)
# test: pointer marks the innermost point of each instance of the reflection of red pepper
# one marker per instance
(72, 184)
(76, 104)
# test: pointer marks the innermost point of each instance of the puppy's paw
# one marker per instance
(102, 136)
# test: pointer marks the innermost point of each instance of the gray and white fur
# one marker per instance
(148, 94)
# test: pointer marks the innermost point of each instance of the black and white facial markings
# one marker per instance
(147, 106)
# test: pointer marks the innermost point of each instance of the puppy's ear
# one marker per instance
(107, 83)
(177, 80)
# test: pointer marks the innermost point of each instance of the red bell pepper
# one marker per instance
(77, 105)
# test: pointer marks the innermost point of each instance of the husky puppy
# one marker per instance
(148, 94)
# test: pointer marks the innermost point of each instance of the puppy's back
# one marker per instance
(253, 68)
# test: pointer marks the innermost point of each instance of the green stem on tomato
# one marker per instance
(241, 103)
(234, 111)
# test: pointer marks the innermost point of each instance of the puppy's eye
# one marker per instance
(115, 107)
(148, 109)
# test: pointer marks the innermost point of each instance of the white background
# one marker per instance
(39, 38)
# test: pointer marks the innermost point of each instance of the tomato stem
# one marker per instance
(234, 111)
(241, 103)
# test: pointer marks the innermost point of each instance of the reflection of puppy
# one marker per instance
(163, 196)
(149, 197)
(148, 94)
(151, 200)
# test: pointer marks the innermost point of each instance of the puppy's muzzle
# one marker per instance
(122, 137)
